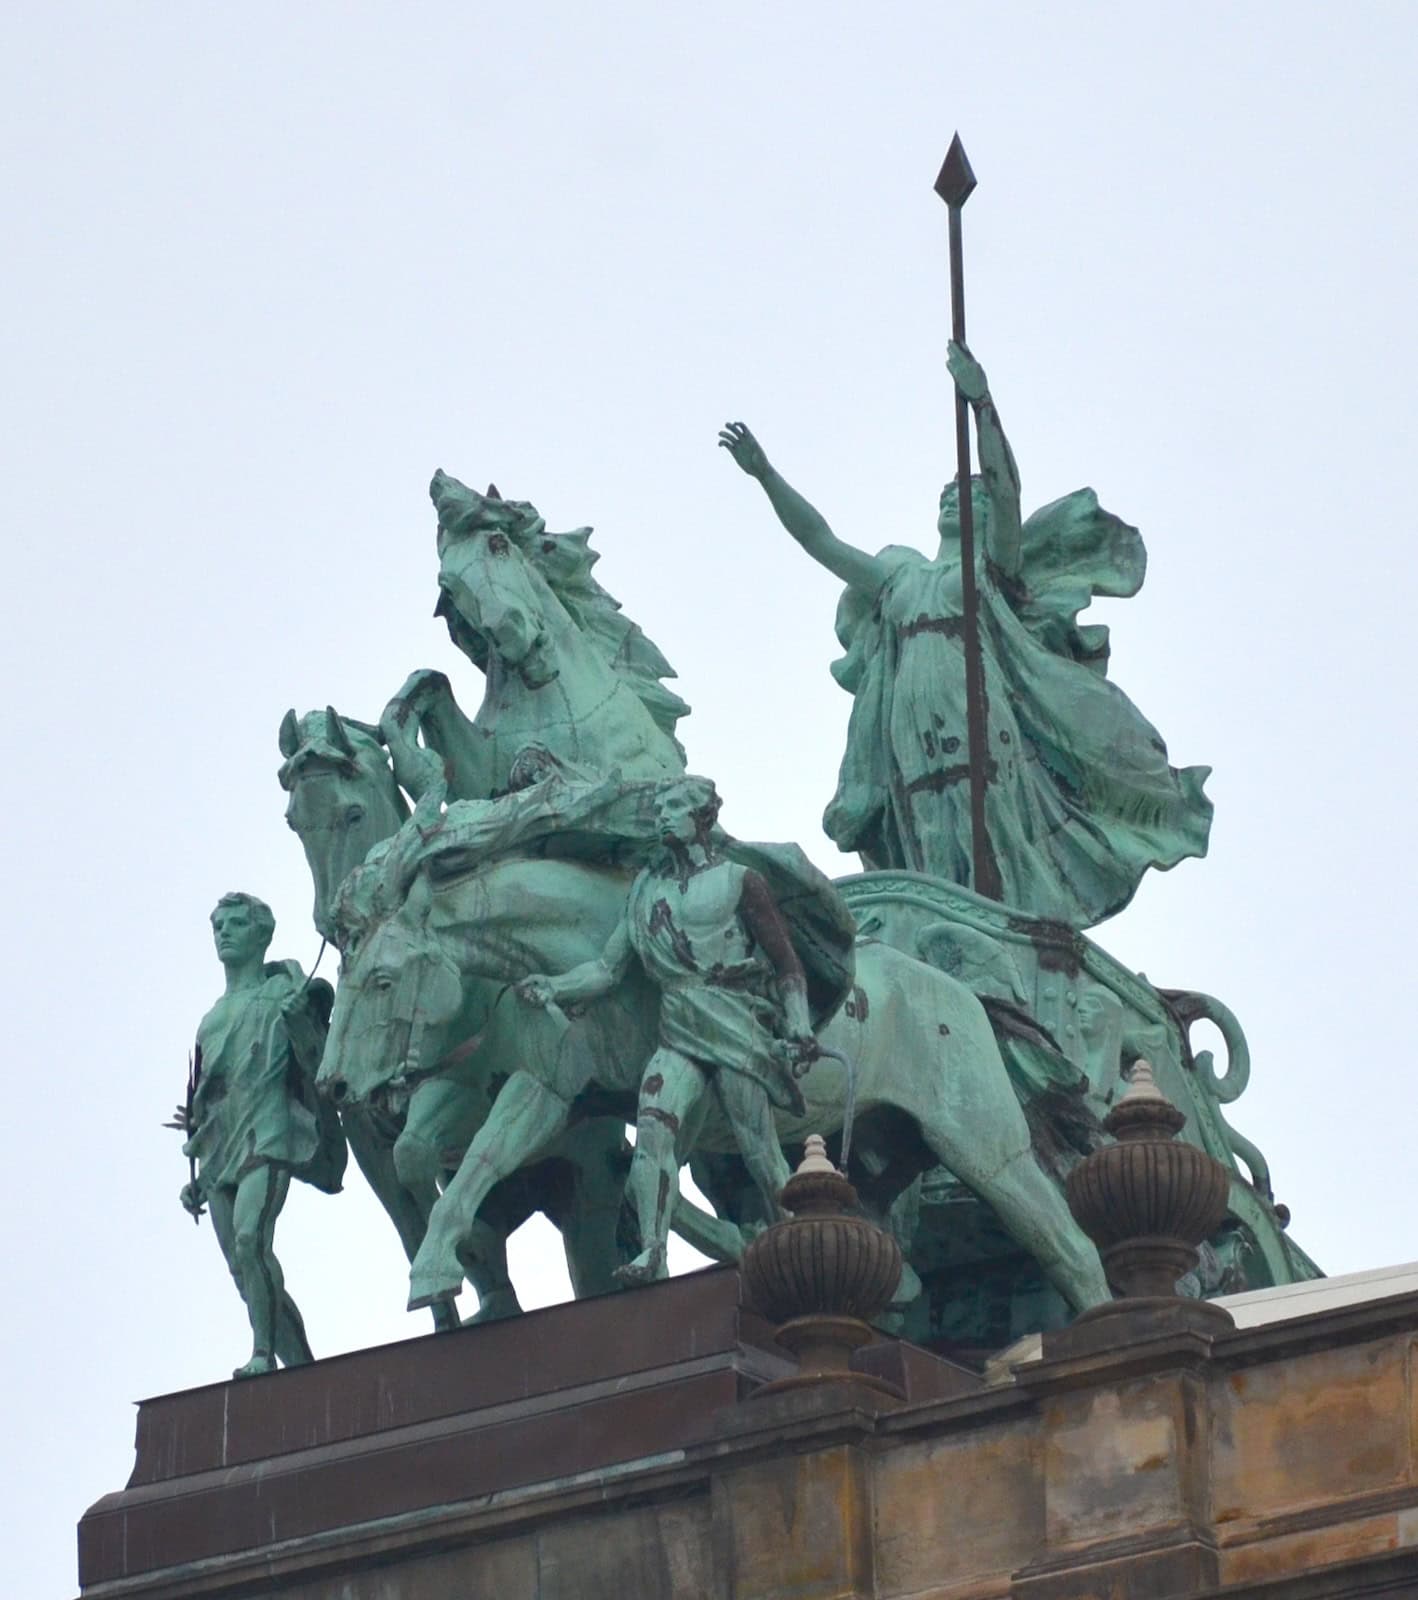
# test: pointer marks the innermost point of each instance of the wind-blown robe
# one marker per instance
(1080, 798)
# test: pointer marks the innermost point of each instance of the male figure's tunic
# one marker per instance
(250, 1105)
(717, 999)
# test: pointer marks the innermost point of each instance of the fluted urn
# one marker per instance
(821, 1274)
(1149, 1199)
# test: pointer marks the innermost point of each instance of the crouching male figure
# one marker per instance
(734, 1014)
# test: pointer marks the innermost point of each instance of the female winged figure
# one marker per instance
(1080, 798)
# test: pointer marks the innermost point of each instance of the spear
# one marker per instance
(955, 185)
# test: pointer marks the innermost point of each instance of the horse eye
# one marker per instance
(355, 814)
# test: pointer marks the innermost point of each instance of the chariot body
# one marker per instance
(1071, 1021)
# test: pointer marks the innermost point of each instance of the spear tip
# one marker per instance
(956, 182)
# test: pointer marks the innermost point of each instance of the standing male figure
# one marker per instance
(253, 1118)
(734, 1013)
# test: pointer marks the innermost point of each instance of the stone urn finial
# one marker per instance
(1148, 1200)
(822, 1274)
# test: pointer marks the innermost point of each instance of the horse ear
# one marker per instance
(335, 732)
(366, 728)
(290, 734)
(492, 493)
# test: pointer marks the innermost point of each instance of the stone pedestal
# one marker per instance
(606, 1449)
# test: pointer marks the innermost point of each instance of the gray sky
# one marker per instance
(266, 267)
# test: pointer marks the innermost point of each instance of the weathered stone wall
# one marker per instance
(1280, 1461)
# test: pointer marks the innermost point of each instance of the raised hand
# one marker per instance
(969, 375)
(744, 448)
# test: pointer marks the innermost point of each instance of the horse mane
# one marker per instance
(565, 560)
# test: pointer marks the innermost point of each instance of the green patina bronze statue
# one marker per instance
(1080, 799)
(733, 1011)
(956, 1015)
(944, 1004)
(564, 666)
(448, 945)
(364, 850)
(253, 1121)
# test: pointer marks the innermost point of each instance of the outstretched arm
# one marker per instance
(589, 981)
(997, 466)
(806, 524)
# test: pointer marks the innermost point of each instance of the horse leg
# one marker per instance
(525, 1117)
(441, 1115)
(374, 1155)
(600, 1156)
(960, 1095)
(715, 1237)
(902, 1220)
(672, 1087)
(1003, 1172)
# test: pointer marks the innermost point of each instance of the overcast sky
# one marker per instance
(267, 266)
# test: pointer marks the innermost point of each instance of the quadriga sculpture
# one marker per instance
(921, 1041)
(344, 803)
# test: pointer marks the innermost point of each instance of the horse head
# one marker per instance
(398, 999)
(496, 603)
(343, 798)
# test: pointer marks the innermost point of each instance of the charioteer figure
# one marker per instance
(1079, 797)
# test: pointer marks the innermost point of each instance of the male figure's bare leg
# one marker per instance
(220, 1206)
(750, 1113)
(672, 1087)
(276, 1325)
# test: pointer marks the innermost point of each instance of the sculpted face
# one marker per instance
(492, 599)
(343, 800)
(339, 814)
(948, 523)
(493, 588)
(241, 935)
(678, 808)
(394, 1006)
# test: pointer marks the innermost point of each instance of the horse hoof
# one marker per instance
(908, 1289)
(497, 1307)
(420, 1298)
